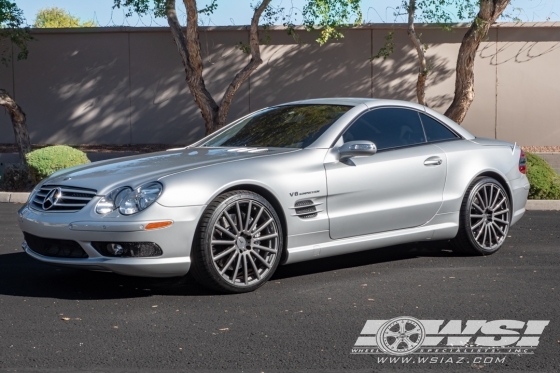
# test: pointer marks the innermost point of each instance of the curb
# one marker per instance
(542, 205)
(13, 197)
(532, 204)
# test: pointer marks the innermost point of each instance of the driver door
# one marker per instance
(399, 187)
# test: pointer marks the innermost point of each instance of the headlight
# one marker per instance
(129, 201)
(140, 198)
(112, 200)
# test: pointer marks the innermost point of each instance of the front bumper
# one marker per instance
(85, 227)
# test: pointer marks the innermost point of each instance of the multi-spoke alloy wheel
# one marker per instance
(489, 215)
(485, 218)
(240, 243)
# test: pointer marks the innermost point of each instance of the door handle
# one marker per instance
(433, 161)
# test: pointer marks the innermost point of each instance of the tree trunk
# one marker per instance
(19, 123)
(188, 45)
(189, 48)
(422, 65)
(489, 12)
(244, 74)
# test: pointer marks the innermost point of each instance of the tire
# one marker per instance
(227, 254)
(484, 218)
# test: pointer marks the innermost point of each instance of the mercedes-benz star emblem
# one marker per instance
(52, 198)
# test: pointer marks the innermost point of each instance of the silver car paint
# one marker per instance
(390, 190)
(421, 205)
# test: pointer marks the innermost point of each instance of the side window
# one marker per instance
(387, 128)
(435, 131)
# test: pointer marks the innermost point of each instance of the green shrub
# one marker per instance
(545, 183)
(46, 161)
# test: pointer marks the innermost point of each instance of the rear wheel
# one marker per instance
(484, 218)
(239, 243)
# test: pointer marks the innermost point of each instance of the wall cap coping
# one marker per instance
(367, 26)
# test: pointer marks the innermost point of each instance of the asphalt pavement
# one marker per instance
(307, 317)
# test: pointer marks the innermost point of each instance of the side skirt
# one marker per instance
(319, 244)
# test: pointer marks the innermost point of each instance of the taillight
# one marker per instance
(522, 162)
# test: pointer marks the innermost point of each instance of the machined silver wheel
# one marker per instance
(489, 216)
(239, 244)
(244, 242)
(484, 218)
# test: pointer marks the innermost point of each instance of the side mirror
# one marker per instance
(356, 148)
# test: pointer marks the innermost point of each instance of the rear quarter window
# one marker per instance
(436, 131)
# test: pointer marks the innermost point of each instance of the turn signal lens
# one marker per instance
(158, 225)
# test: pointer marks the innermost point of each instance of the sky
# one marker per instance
(239, 12)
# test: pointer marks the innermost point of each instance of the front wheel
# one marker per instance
(239, 243)
(484, 218)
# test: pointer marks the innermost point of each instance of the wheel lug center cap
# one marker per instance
(241, 242)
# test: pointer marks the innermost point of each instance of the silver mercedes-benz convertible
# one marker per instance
(285, 184)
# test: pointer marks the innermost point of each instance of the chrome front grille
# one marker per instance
(63, 199)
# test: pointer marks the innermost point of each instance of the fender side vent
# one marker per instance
(305, 202)
(306, 209)
(309, 216)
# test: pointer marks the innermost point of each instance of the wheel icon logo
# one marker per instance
(401, 336)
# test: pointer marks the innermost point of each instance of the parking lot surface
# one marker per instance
(307, 317)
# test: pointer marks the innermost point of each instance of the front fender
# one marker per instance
(285, 176)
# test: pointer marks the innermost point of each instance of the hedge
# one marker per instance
(545, 182)
(46, 161)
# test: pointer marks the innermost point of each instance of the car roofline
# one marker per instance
(344, 101)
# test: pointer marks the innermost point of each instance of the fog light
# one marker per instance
(115, 249)
(128, 249)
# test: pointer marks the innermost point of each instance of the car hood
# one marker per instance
(132, 171)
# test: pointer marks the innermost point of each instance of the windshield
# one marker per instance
(292, 126)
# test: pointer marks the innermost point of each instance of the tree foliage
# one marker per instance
(13, 31)
(441, 12)
(329, 15)
(59, 18)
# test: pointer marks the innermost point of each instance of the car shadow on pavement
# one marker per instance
(22, 276)
(368, 257)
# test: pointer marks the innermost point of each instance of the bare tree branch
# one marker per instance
(422, 65)
(244, 74)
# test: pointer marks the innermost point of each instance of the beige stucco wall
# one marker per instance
(127, 85)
